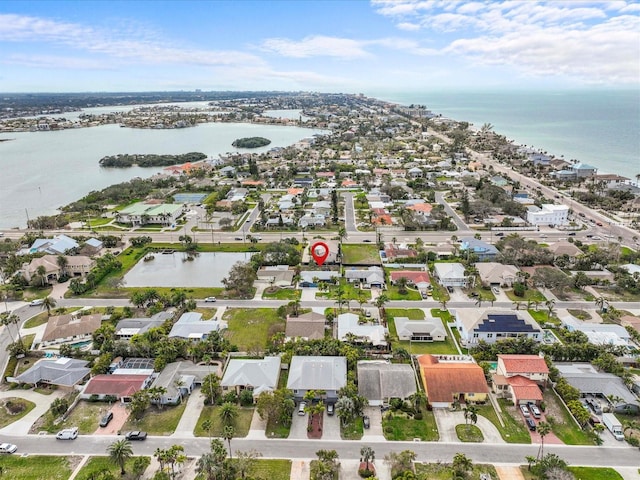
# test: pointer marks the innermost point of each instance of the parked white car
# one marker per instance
(524, 410)
(7, 448)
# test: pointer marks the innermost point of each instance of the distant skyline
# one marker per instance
(330, 46)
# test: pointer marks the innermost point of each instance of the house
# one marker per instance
(428, 330)
(311, 220)
(128, 327)
(227, 171)
(309, 326)
(562, 248)
(519, 378)
(417, 278)
(494, 274)
(76, 266)
(393, 251)
(190, 326)
(333, 255)
(311, 278)
(258, 376)
(142, 213)
(452, 378)
(583, 170)
(483, 250)
(93, 245)
(590, 381)
(373, 277)
(322, 208)
(450, 274)
(58, 245)
(548, 214)
(70, 328)
(494, 324)
(325, 374)
(62, 372)
(380, 381)
(279, 275)
(175, 383)
(122, 387)
(351, 329)
(598, 333)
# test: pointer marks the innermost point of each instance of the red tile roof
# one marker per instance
(515, 364)
(444, 380)
(325, 174)
(421, 207)
(413, 276)
(524, 388)
(118, 385)
(382, 220)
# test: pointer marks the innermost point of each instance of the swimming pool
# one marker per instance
(84, 344)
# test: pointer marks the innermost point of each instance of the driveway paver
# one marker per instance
(508, 472)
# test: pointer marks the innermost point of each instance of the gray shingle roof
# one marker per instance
(63, 371)
(378, 381)
(261, 374)
(317, 373)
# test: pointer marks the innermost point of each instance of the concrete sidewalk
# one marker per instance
(189, 419)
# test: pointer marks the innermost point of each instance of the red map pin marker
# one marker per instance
(319, 252)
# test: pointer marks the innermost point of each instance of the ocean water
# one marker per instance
(598, 127)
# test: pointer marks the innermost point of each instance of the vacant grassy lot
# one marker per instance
(531, 294)
(360, 254)
(157, 422)
(243, 422)
(38, 467)
(12, 409)
(513, 431)
(595, 473)
(443, 471)
(410, 313)
(399, 427)
(85, 416)
(250, 327)
(350, 292)
(272, 469)
(562, 423)
(281, 294)
(95, 465)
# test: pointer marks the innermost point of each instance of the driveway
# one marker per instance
(120, 415)
(308, 294)
(298, 426)
(43, 402)
(447, 421)
(330, 427)
(374, 432)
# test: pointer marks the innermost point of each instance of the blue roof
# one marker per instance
(504, 323)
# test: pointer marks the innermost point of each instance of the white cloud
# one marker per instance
(411, 27)
(55, 61)
(316, 46)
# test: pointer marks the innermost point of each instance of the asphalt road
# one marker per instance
(622, 456)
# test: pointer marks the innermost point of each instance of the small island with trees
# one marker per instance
(251, 142)
(149, 160)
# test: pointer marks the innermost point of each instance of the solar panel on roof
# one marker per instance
(504, 323)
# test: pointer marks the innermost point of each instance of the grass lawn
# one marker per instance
(157, 422)
(513, 431)
(243, 422)
(276, 430)
(580, 314)
(251, 326)
(99, 464)
(469, 433)
(37, 467)
(25, 364)
(351, 292)
(443, 471)
(360, 254)
(397, 427)
(410, 313)
(352, 430)
(529, 294)
(207, 313)
(281, 294)
(36, 321)
(394, 294)
(436, 348)
(272, 469)
(540, 316)
(595, 473)
(10, 405)
(564, 427)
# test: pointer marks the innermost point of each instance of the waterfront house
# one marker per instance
(76, 266)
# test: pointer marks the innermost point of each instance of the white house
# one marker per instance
(349, 324)
(450, 274)
(427, 330)
(548, 215)
(494, 324)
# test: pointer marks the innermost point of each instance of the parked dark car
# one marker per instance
(531, 424)
(106, 419)
(366, 422)
(136, 435)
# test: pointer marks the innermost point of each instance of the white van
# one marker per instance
(67, 434)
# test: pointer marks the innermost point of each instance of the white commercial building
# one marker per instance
(548, 215)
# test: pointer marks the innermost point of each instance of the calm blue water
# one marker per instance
(598, 127)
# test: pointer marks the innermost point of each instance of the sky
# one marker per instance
(328, 45)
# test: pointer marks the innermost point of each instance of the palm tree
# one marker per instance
(549, 304)
(42, 273)
(544, 429)
(461, 464)
(470, 415)
(600, 302)
(401, 283)
(48, 303)
(228, 433)
(368, 455)
(228, 413)
(120, 451)
(62, 263)
(207, 425)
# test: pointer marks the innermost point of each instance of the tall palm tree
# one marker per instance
(550, 304)
(120, 451)
(228, 434)
(544, 429)
(48, 303)
(368, 455)
(62, 264)
(42, 273)
(228, 413)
